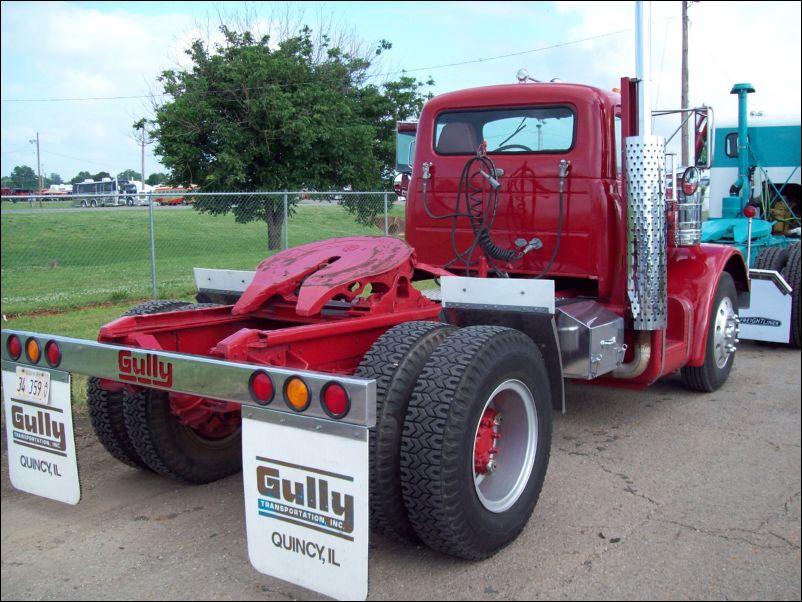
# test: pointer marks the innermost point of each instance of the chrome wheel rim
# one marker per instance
(502, 484)
(725, 335)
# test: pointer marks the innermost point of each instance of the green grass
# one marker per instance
(25, 204)
(55, 261)
(69, 273)
(81, 324)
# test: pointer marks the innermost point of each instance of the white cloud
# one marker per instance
(64, 50)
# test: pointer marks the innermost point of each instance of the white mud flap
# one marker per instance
(306, 501)
(41, 441)
(768, 317)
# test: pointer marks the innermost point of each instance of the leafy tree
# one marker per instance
(155, 179)
(55, 179)
(23, 176)
(100, 175)
(129, 174)
(253, 115)
(82, 175)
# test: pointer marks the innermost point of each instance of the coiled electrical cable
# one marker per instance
(481, 213)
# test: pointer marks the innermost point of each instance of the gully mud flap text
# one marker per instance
(306, 501)
(41, 444)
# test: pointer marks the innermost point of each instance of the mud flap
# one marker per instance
(768, 317)
(41, 442)
(306, 501)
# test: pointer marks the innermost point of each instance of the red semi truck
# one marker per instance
(539, 209)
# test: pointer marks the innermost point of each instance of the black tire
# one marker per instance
(156, 307)
(792, 277)
(83, 203)
(772, 258)
(395, 360)
(457, 385)
(721, 332)
(172, 449)
(168, 447)
(93, 203)
(106, 407)
(106, 414)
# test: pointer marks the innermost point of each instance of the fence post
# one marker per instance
(286, 222)
(152, 246)
(386, 216)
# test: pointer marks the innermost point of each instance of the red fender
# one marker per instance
(693, 276)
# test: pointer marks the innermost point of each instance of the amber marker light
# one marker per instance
(296, 393)
(33, 351)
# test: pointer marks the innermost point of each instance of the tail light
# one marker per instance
(14, 347)
(336, 402)
(261, 387)
(296, 393)
(33, 351)
(53, 354)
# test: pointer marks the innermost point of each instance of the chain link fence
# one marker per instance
(71, 251)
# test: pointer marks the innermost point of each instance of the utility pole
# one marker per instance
(141, 136)
(38, 162)
(684, 99)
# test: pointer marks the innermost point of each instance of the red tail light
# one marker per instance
(261, 387)
(14, 347)
(335, 400)
(53, 354)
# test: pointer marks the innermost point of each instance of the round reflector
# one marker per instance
(261, 387)
(296, 393)
(750, 211)
(335, 400)
(52, 354)
(690, 181)
(32, 351)
(14, 347)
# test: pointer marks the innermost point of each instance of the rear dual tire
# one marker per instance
(395, 360)
(138, 428)
(453, 506)
(791, 273)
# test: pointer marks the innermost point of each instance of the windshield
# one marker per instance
(517, 130)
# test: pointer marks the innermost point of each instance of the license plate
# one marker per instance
(32, 385)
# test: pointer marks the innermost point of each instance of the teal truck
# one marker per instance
(755, 204)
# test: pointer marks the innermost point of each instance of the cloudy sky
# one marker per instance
(80, 73)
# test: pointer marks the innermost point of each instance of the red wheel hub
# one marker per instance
(207, 417)
(484, 449)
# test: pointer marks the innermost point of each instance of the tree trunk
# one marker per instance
(274, 210)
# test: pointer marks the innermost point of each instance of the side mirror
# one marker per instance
(411, 154)
(703, 132)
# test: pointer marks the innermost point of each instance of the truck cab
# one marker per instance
(549, 200)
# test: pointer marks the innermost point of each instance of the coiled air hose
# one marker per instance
(482, 214)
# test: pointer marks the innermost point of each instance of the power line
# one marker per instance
(387, 74)
(49, 152)
(511, 54)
